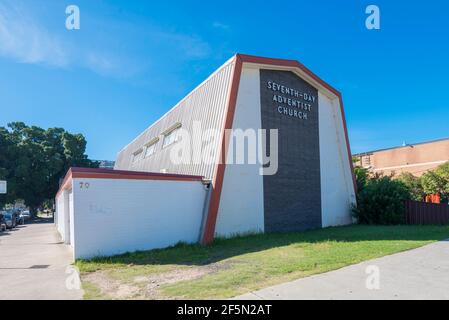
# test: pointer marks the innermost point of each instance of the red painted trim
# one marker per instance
(288, 63)
(65, 183)
(94, 173)
(297, 64)
(124, 174)
(351, 165)
(217, 183)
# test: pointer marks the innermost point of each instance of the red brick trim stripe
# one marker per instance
(288, 63)
(217, 184)
(94, 173)
(297, 64)
(348, 147)
(124, 174)
(66, 183)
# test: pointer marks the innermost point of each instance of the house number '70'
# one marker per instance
(84, 185)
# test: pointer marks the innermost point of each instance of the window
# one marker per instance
(137, 155)
(172, 136)
(151, 148)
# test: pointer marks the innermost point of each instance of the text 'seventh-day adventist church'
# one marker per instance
(185, 179)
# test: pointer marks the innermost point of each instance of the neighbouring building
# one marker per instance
(106, 164)
(417, 158)
(161, 193)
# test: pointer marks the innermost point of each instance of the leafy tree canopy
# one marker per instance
(33, 160)
(443, 172)
(414, 186)
(433, 183)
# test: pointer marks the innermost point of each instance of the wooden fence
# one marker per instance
(426, 213)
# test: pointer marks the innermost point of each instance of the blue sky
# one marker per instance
(133, 60)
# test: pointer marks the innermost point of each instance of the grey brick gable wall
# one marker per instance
(292, 197)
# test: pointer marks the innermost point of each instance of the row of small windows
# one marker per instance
(170, 137)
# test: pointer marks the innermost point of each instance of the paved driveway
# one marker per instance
(422, 273)
(33, 264)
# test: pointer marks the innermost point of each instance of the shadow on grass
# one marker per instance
(221, 249)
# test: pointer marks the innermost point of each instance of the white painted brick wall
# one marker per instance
(59, 215)
(337, 191)
(242, 208)
(116, 216)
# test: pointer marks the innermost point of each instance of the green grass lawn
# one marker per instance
(235, 266)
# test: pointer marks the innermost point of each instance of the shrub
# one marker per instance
(361, 176)
(413, 185)
(381, 201)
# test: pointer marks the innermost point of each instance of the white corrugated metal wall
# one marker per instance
(206, 104)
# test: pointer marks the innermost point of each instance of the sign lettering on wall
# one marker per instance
(292, 197)
(290, 101)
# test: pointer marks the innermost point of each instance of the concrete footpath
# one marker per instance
(421, 273)
(34, 264)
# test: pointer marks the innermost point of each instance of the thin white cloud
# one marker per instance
(183, 45)
(110, 65)
(100, 63)
(220, 25)
(24, 40)
(192, 46)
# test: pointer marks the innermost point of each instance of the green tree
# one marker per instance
(437, 182)
(443, 172)
(433, 183)
(413, 185)
(7, 152)
(36, 159)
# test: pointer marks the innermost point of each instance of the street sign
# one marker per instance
(2, 187)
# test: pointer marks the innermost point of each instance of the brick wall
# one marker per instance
(292, 197)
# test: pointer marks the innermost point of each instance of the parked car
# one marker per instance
(23, 217)
(2, 222)
(19, 219)
(10, 219)
(15, 213)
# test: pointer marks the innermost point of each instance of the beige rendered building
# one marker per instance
(414, 158)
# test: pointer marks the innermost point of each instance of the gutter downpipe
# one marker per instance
(208, 185)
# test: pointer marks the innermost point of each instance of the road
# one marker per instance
(33, 265)
(421, 273)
